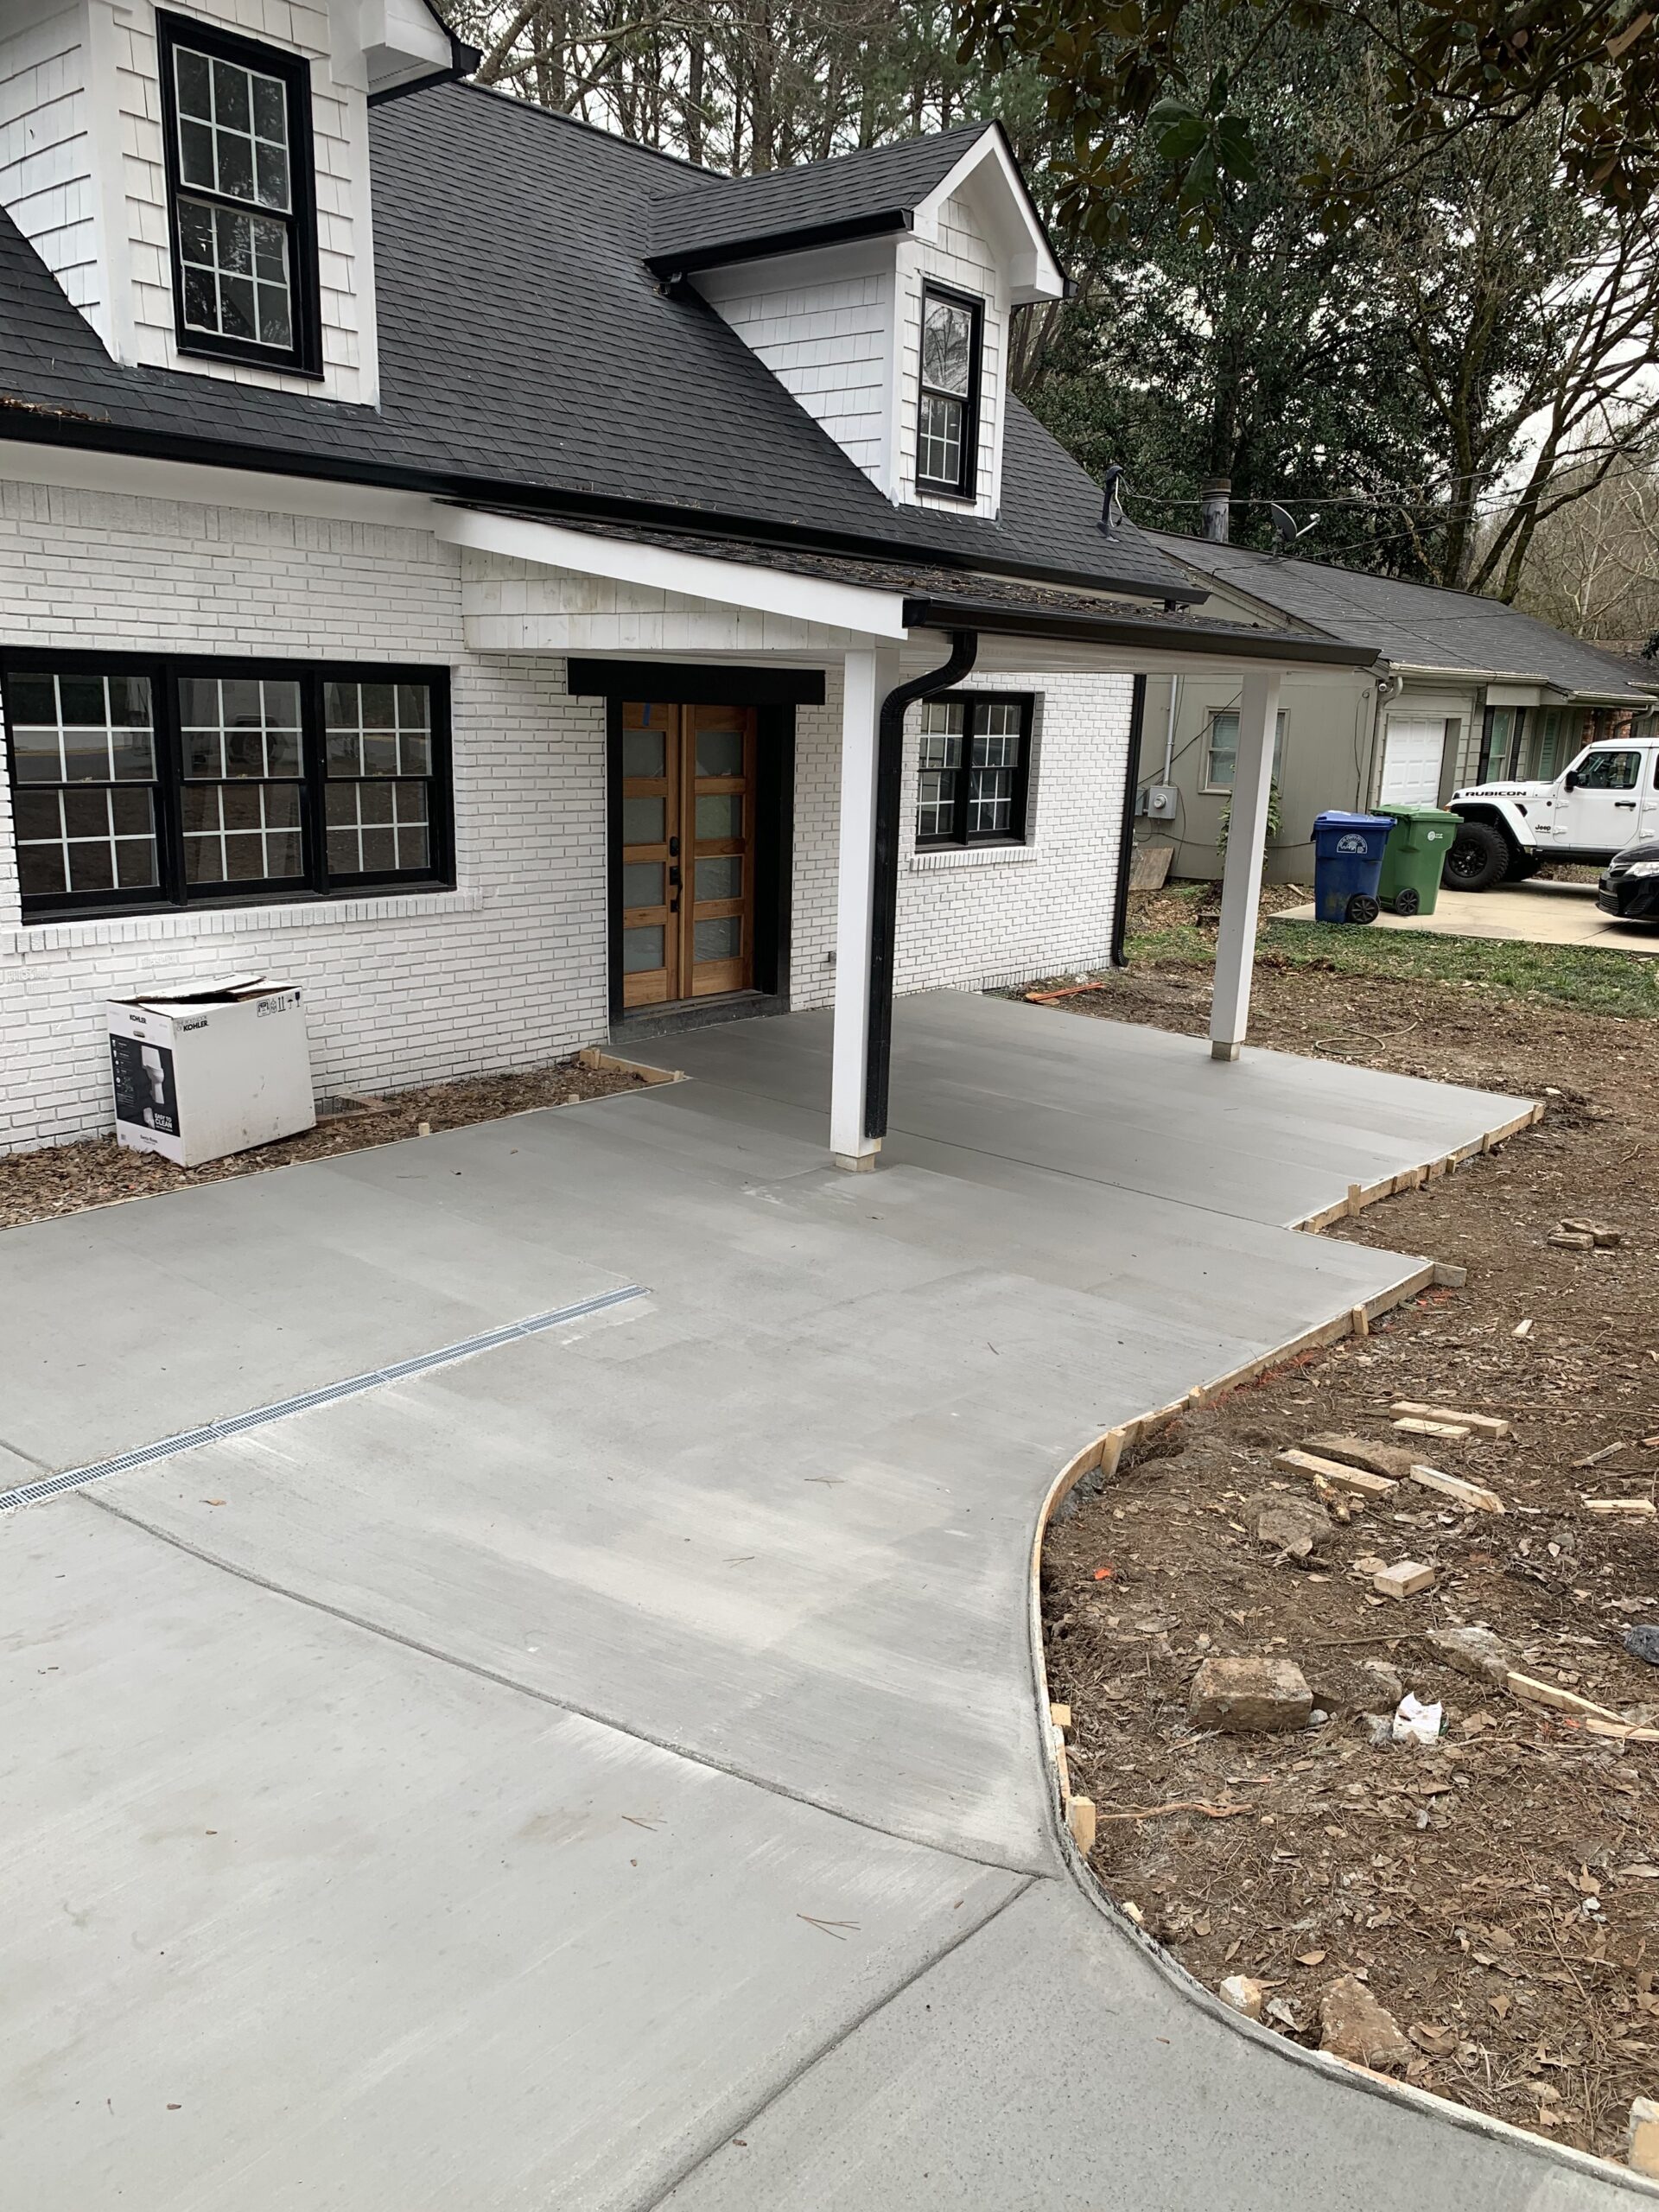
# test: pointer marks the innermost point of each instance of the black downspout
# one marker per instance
(1126, 834)
(884, 920)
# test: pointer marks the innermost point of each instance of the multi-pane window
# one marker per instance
(973, 757)
(166, 783)
(83, 768)
(1221, 749)
(238, 119)
(946, 424)
(379, 760)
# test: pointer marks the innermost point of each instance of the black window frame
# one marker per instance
(303, 358)
(960, 838)
(964, 486)
(171, 893)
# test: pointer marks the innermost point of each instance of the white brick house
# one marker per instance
(458, 563)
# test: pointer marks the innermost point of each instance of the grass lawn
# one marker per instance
(1176, 927)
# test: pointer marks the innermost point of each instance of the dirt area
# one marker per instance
(1497, 1891)
(67, 1178)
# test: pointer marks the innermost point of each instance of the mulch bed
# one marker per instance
(67, 1178)
(1499, 1892)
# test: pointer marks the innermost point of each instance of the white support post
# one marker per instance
(867, 677)
(1241, 881)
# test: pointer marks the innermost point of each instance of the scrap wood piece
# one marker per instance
(1537, 1693)
(1476, 1495)
(1640, 1506)
(1595, 1458)
(1179, 1805)
(1483, 1424)
(1332, 1470)
(1450, 1432)
(1625, 1731)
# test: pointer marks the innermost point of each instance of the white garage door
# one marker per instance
(1411, 762)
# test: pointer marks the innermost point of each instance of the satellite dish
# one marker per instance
(1284, 531)
(1111, 509)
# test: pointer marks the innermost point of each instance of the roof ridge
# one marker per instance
(580, 122)
(853, 153)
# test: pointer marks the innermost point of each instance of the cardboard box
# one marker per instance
(210, 1070)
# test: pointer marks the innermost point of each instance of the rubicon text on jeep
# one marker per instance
(1607, 798)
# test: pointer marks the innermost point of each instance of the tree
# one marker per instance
(1450, 68)
(1593, 565)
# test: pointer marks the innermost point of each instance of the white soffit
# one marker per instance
(402, 42)
(988, 175)
(691, 575)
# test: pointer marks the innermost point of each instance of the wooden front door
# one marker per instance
(687, 863)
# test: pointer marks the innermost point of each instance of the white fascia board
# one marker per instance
(691, 575)
(81, 468)
(987, 171)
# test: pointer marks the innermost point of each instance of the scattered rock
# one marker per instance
(1475, 1651)
(1244, 1995)
(1250, 1696)
(1394, 1461)
(1572, 1240)
(1353, 2025)
(1641, 1641)
(1296, 1527)
(1390, 1684)
(1403, 1579)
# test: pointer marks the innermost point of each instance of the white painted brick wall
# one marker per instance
(996, 915)
(509, 970)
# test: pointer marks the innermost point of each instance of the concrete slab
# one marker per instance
(306, 1917)
(743, 1561)
(1048, 2063)
(1520, 913)
(1270, 1137)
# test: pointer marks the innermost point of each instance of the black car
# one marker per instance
(1631, 886)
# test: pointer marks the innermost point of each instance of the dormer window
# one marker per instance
(947, 430)
(236, 117)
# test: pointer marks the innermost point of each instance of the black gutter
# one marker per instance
(1288, 648)
(1126, 833)
(765, 246)
(25, 426)
(884, 923)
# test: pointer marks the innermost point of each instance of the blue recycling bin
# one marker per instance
(1348, 852)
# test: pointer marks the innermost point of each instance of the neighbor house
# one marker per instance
(522, 589)
(1462, 690)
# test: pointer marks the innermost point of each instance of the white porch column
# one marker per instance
(867, 677)
(1241, 882)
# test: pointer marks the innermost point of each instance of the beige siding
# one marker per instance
(46, 158)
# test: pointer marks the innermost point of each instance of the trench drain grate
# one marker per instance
(143, 1455)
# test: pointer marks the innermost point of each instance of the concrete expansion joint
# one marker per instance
(844, 2034)
(442, 1657)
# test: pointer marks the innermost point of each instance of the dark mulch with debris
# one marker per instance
(1500, 1890)
(67, 1178)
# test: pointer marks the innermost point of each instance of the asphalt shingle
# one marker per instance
(1414, 625)
(526, 350)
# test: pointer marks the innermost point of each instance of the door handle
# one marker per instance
(1625, 803)
(674, 848)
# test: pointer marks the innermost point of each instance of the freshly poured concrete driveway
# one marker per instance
(604, 1772)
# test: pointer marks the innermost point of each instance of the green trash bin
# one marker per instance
(1418, 844)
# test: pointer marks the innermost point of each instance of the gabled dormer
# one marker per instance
(877, 288)
(199, 189)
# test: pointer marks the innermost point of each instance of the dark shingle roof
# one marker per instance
(873, 190)
(1414, 625)
(526, 351)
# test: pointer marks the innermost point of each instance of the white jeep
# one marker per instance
(1608, 797)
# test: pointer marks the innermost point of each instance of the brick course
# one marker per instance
(508, 970)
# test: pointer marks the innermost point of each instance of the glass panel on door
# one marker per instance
(685, 878)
